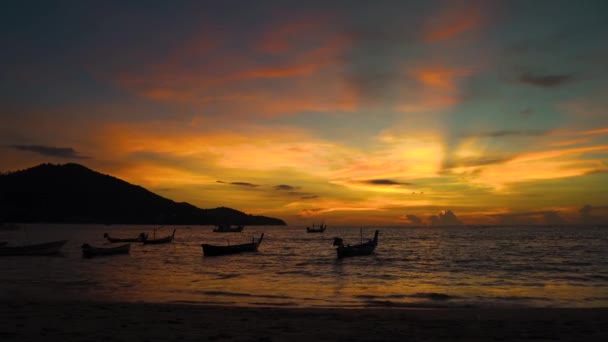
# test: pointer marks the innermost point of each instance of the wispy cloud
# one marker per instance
(451, 23)
(545, 80)
(285, 187)
(507, 133)
(382, 182)
(530, 217)
(245, 184)
(60, 152)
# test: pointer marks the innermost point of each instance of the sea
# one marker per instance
(423, 267)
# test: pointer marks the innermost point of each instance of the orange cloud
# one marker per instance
(298, 76)
(285, 35)
(443, 78)
(596, 131)
(451, 23)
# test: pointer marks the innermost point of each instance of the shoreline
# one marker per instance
(128, 321)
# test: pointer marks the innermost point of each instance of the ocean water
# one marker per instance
(412, 267)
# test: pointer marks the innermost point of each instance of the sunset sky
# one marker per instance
(348, 112)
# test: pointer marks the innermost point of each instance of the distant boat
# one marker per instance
(90, 251)
(48, 248)
(2, 243)
(167, 239)
(365, 248)
(321, 228)
(140, 238)
(226, 228)
(215, 250)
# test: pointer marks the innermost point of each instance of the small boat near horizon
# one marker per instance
(153, 241)
(140, 238)
(47, 248)
(2, 243)
(89, 251)
(364, 248)
(320, 229)
(216, 250)
(226, 228)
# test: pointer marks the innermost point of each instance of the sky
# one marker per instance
(343, 112)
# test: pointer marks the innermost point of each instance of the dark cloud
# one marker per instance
(545, 81)
(383, 182)
(507, 133)
(251, 185)
(526, 112)
(413, 219)
(285, 187)
(445, 218)
(309, 196)
(60, 152)
(588, 218)
(244, 184)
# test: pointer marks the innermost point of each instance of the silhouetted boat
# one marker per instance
(47, 248)
(90, 251)
(226, 228)
(141, 237)
(215, 250)
(166, 239)
(2, 243)
(365, 248)
(321, 228)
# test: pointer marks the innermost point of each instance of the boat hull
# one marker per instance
(49, 248)
(228, 229)
(216, 250)
(167, 239)
(90, 251)
(365, 248)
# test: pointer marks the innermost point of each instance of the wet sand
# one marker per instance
(103, 321)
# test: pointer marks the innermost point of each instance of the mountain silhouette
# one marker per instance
(73, 193)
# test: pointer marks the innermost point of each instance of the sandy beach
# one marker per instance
(103, 321)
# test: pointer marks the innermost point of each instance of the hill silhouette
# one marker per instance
(74, 193)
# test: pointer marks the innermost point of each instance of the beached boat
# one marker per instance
(141, 237)
(167, 239)
(215, 250)
(226, 228)
(47, 248)
(90, 251)
(365, 248)
(321, 228)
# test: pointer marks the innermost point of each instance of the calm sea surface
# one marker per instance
(412, 267)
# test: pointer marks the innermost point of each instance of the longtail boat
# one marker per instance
(365, 248)
(226, 228)
(89, 251)
(141, 237)
(167, 239)
(321, 228)
(215, 250)
(48, 248)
